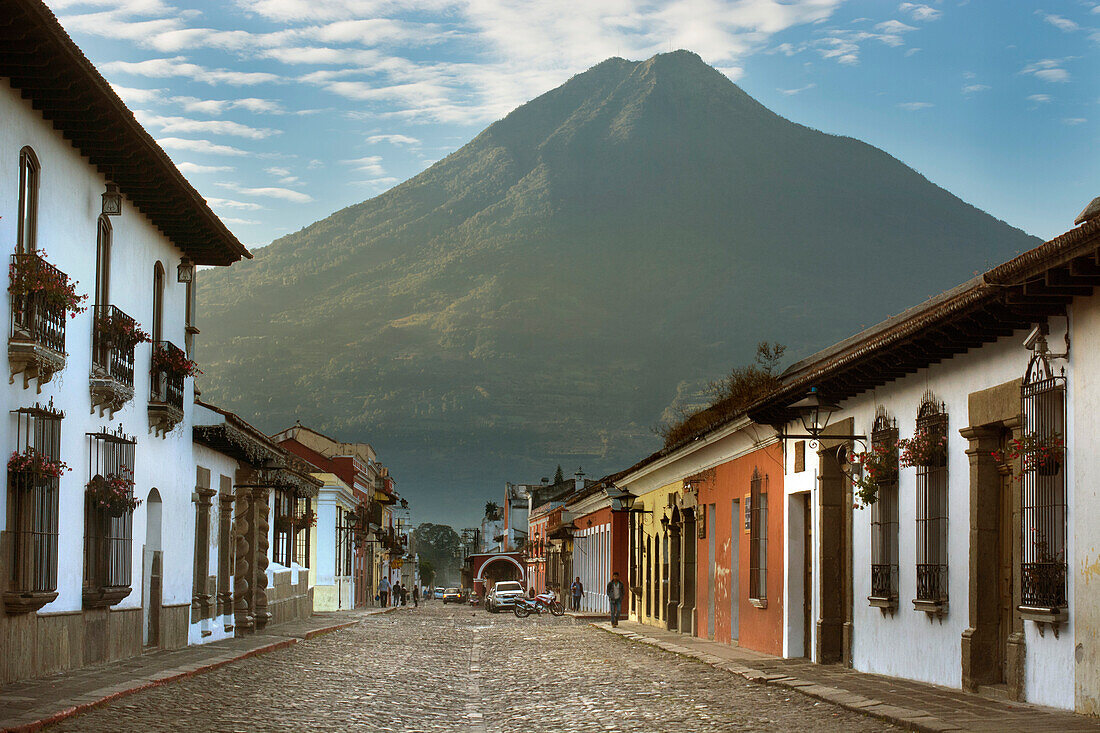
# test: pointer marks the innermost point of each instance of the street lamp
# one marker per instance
(112, 200)
(814, 412)
(622, 500)
(185, 270)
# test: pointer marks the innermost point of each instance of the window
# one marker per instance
(305, 520)
(800, 456)
(34, 478)
(758, 536)
(282, 550)
(108, 518)
(929, 454)
(158, 302)
(27, 226)
(103, 262)
(884, 512)
(343, 542)
(1043, 491)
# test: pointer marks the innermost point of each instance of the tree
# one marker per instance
(730, 395)
(492, 511)
(559, 477)
(427, 572)
(440, 546)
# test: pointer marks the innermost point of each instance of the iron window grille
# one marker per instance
(758, 536)
(35, 315)
(282, 549)
(884, 512)
(343, 542)
(108, 535)
(167, 387)
(932, 506)
(109, 355)
(302, 531)
(32, 513)
(1043, 490)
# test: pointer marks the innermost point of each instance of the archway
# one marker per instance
(152, 569)
(672, 609)
(499, 569)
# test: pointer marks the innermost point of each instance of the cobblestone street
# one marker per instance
(442, 668)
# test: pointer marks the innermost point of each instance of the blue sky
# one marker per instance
(283, 111)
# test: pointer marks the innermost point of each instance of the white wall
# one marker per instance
(883, 643)
(69, 206)
(219, 465)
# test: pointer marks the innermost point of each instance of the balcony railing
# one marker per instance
(883, 581)
(167, 387)
(112, 351)
(35, 315)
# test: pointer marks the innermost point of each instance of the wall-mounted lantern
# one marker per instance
(112, 200)
(185, 271)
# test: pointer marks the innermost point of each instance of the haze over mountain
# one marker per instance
(544, 293)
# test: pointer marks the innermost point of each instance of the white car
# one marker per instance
(503, 595)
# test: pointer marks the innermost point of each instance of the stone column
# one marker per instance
(200, 596)
(261, 552)
(225, 548)
(244, 621)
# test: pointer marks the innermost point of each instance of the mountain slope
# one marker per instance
(543, 293)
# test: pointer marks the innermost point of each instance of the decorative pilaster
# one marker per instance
(225, 541)
(261, 549)
(244, 621)
(200, 595)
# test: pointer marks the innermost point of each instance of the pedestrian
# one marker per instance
(615, 593)
(416, 596)
(578, 591)
(384, 592)
(396, 593)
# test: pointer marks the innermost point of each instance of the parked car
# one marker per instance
(437, 593)
(452, 595)
(503, 595)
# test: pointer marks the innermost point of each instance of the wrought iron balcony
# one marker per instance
(36, 347)
(166, 388)
(114, 336)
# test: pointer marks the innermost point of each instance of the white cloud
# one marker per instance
(198, 146)
(188, 126)
(393, 140)
(790, 92)
(911, 51)
(920, 12)
(218, 106)
(284, 194)
(179, 66)
(133, 96)
(232, 204)
(894, 27)
(972, 88)
(1075, 120)
(914, 106)
(234, 220)
(190, 169)
(1039, 98)
(371, 165)
(1062, 24)
(384, 182)
(1047, 70)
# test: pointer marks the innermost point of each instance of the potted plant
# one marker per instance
(34, 276)
(879, 466)
(1040, 454)
(927, 447)
(113, 492)
(174, 363)
(37, 467)
(122, 332)
(308, 519)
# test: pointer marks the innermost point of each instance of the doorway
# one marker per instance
(735, 571)
(1004, 568)
(807, 574)
(712, 567)
(152, 571)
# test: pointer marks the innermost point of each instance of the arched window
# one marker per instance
(103, 262)
(28, 202)
(158, 303)
(928, 452)
(884, 512)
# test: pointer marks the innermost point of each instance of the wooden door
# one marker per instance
(1004, 566)
(807, 575)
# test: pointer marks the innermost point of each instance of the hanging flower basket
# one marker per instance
(174, 363)
(122, 332)
(880, 466)
(35, 468)
(113, 492)
(308, 519)
(1041, 455)
(925, 448)
(33, 275)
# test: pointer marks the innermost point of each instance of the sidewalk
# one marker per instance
(30, 705)
(910, 705)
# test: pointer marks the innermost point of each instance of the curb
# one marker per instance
(916, 720)
(170, 676)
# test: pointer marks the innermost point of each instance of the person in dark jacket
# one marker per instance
(615, 594)
(578, 591)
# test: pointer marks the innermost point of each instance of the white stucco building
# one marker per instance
(979, 555)
(88, 200)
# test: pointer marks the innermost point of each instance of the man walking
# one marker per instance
(416, 595)
(615, 593)
(384, 592)
(397, 593)
(578, 591)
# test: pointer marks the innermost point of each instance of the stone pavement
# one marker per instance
(447, 668)
(911, 705)
(31, 704)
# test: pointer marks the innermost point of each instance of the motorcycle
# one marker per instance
(539, 604)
